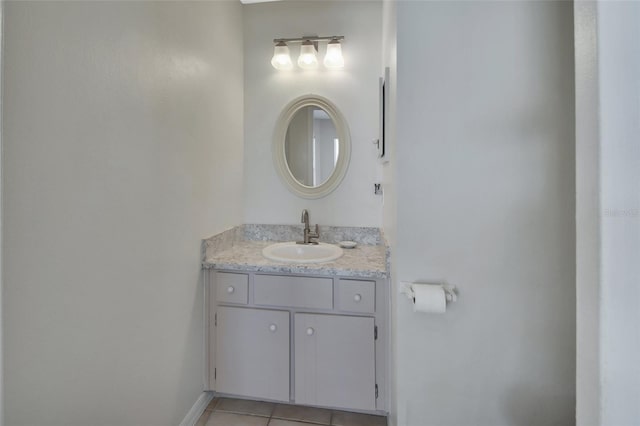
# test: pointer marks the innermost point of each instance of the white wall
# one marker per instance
(1, 220)
(587, 216)
(619, 66)
(123, 148)
(608, 164)
(354, 90)
(485, 178)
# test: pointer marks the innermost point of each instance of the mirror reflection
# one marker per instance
(311, 146)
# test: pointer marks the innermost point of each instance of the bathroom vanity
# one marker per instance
(310, 334)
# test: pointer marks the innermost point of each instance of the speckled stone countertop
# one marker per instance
(240, 249)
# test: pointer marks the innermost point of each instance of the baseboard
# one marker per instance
(198, 408)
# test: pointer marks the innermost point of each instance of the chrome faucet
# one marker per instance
(308, 235)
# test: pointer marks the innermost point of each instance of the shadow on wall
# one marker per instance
(196, 328)
(530, 405)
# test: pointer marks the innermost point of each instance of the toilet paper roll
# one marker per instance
(429, 298)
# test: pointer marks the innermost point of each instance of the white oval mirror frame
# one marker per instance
(279, 152)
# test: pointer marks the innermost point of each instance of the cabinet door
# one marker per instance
(334, 361)
(252, 353)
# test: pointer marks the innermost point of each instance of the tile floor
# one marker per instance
(240, 412)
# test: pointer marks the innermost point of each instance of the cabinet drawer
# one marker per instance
(232, 288)
(303, 292)
(357, 296)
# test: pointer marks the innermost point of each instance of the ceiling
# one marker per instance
(255, 1)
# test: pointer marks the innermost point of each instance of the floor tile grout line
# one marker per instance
(244, 413)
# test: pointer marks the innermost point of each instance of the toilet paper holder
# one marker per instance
(406, 288)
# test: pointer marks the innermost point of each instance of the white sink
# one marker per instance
(291, 252)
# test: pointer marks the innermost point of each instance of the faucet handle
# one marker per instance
(314, 235)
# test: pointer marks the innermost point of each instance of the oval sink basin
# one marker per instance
(291, 252)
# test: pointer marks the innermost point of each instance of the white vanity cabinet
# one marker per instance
(312, 340)
(334, 362)
(252, 352)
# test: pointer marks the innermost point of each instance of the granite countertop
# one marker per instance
(240, 249)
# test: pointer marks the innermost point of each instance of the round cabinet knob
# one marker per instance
(357, 298)
(273, 328)
(310, 331)
(230, 289)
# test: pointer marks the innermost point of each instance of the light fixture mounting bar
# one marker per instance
(303, 39)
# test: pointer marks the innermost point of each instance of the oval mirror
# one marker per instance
(311, 146)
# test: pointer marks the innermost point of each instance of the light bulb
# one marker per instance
(307, 59)
(333, 59)
(281, 59)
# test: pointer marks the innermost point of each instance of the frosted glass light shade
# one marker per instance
(307, 59)
(281, 59)
(333, 59)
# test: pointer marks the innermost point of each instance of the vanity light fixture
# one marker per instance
(307, 59)
(333, 59)
(281, 59)
(308, 53)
